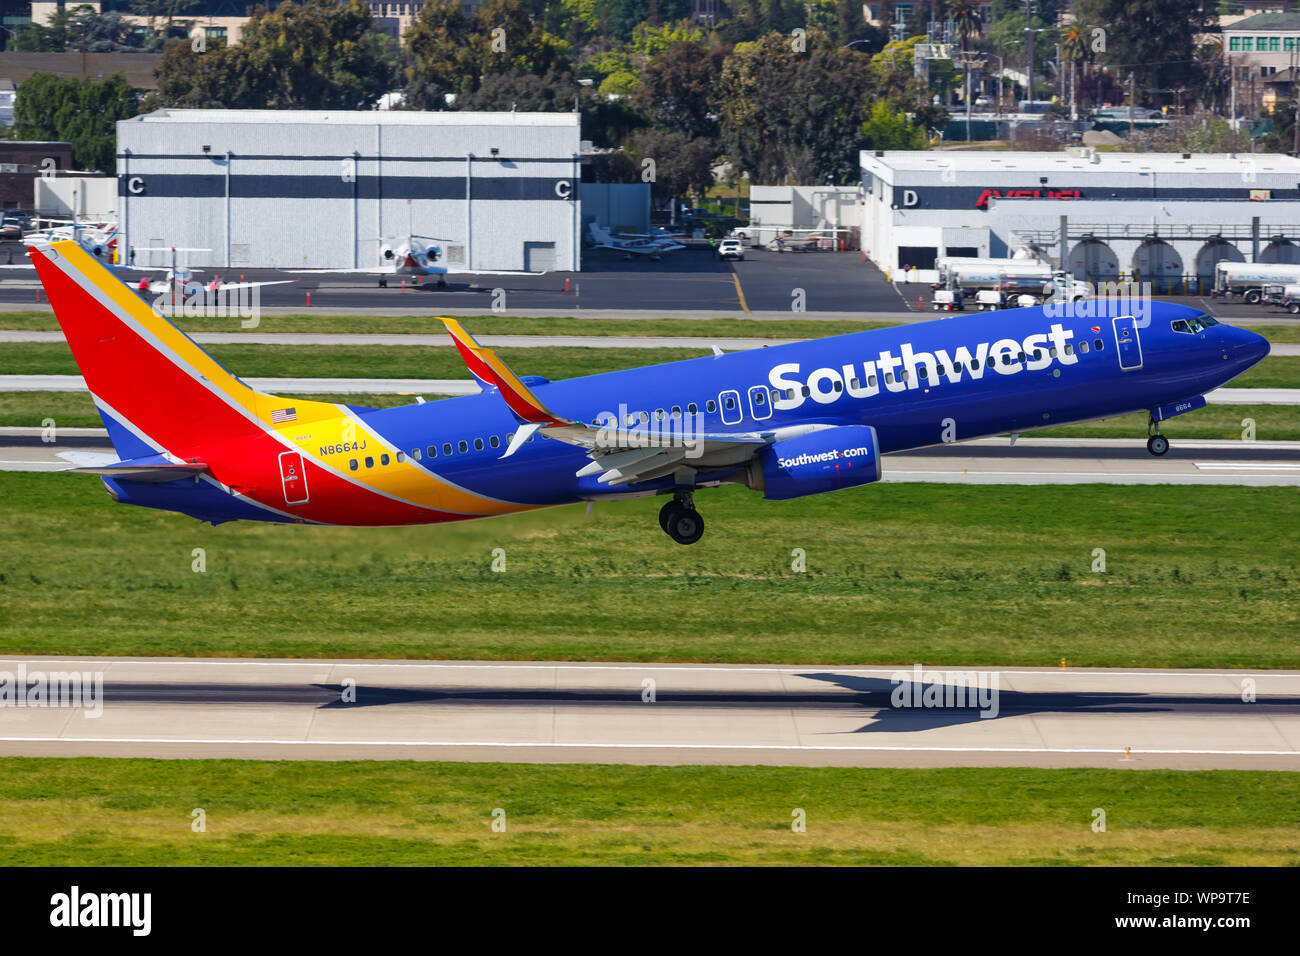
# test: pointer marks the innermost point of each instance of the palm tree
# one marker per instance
(1074, 48)
(968, 20)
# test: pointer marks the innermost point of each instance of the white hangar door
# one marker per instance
(539, 257)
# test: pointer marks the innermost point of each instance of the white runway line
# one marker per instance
(596, 745)
(786, 670)
(1248, 465)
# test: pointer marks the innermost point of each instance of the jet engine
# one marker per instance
(842, 456)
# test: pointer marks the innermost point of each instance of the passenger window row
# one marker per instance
(661, 414)
(778, 394)
(431, 451)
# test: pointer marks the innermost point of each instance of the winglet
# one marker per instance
(485, 366)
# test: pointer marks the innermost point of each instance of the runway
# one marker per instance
(983, 461)
(664, 714)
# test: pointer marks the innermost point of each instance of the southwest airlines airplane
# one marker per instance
(787, 421)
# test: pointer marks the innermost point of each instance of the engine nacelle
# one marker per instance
(844, 456)
(432, 253)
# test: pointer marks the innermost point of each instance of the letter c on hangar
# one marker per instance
(564, 189)
(135, 186)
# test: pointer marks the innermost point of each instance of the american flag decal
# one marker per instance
(282, 415)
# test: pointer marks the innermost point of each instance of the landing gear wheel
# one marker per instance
(666, 514)
(680, 520)
(442, 283)
(1157, 444)
(685, 526)
(383, 283)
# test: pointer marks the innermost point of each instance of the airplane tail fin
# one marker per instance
(156, 390)
(487, 367)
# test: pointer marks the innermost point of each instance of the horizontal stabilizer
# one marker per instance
(154, 469)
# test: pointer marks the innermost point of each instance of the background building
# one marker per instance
(1258, 48)
(324, 189)
(832, 210)
(23, 163)
(1163, 217)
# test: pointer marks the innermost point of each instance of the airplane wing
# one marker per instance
(641, 248)
(630, 248)
(390, 272)
(253, 285)
(618, 455)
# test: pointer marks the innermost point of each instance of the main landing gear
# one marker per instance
(1157, 443)
(680, 520)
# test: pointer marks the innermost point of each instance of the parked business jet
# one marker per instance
(788, 421)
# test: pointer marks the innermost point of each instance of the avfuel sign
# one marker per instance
(986, 195)
(912, 198)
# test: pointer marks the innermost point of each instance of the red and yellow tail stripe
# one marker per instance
(183, 403)
(487, 367)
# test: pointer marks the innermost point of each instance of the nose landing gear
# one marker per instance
(1157, 443)
(680, 520)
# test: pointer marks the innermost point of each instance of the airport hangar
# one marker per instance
(328, 189)
(1160, 217)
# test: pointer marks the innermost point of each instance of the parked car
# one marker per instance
(14, 225)
(731, 249)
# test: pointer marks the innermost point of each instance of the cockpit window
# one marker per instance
(1194, 325)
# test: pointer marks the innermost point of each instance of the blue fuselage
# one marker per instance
(918, 385)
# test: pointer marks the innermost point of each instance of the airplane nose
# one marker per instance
(1248, 348)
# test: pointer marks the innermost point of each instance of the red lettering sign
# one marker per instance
(986, 195)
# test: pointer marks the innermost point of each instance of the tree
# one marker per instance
(106, 33)
(553, 92)
(790, 114)
(439, 61)
(886, 129)
(968, 21)
(76, 110)
(893, 77)
(1202, 132)
(1155, 39)
(320, 55)
(682, 165)
(451, 55)
(677, 88)
(849, 20)
(510, 40)
(1074, 49)
(167, 10)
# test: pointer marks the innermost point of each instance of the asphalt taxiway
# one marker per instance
(686, 284)
(665, 714)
